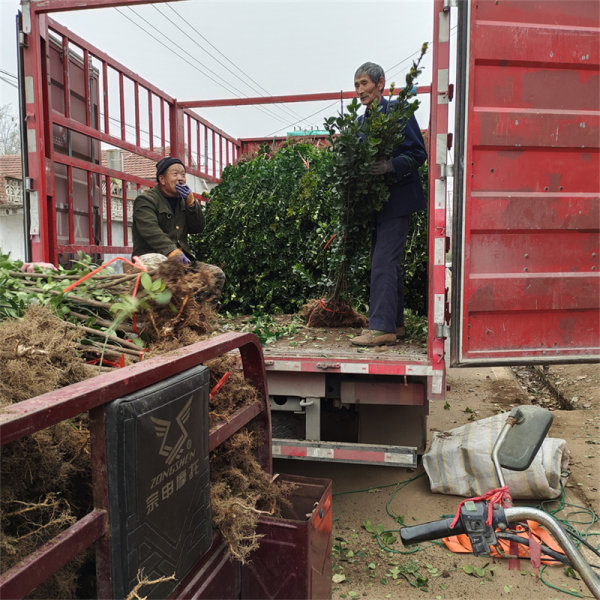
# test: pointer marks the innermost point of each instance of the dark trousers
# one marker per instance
(386, 301)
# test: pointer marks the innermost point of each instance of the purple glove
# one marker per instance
(184, 259)
(183, 190)
(381, 167)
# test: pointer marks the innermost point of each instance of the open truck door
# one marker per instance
(526, 281)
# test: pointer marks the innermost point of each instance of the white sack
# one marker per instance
(459, 463)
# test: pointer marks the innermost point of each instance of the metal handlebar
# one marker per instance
(441, 528)
(522, 513)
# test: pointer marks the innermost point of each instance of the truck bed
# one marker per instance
(289, 345)
(313, 342)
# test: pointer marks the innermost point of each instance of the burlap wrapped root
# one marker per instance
(459, 463)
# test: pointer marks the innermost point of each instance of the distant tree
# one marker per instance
(10, 139)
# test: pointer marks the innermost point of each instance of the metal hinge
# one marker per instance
(28, 184)
(442, 331)
(448, 4)
(446, 171)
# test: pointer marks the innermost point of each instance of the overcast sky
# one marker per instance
(282, 47)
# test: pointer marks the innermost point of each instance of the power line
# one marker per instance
(178, 55)
(224, 85)
(256, 88)
(329, 106)
(397, 65)
(8, 81)
(9, 74)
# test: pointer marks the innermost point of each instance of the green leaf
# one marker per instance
(468, 569)
(338, 578)
(117, 306)
(368, 526)
(146, 281)
(163, 297)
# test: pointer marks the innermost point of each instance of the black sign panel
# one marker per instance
(159, 488)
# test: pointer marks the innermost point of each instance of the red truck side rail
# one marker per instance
(75, 97)
(92, 395)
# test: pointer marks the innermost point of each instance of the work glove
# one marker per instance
(179, 255)
(381, 167)
(29, 267)
(184, 191)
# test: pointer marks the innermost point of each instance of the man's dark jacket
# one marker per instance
(406, 190)
(159, 228)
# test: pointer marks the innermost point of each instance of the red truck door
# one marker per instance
(526, 281)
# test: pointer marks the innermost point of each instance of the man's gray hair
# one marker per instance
(373, 70)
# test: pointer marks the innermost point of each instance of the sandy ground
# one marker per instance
(364, 570)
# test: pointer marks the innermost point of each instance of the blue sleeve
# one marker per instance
(411, 154)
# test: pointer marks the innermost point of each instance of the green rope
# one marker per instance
(375, 488)
(570, 525)
(399, 486)
(554, 587)
(398, 519)
(568, 522)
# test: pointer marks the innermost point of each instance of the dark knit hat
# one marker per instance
(164, 163)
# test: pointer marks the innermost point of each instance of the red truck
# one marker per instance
(525, 178)
(525, 282)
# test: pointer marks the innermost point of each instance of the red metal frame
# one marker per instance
(35, 414)
(183, 125)
(342, 95)
(438, 139)
(529, 272)
(42, 115)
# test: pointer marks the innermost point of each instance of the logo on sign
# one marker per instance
(173, 438)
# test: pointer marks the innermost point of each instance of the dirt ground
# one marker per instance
(363, 570)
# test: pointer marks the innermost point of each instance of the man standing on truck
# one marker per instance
(386, 301)
(164, 215)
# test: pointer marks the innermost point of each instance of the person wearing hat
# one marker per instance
(164, 215)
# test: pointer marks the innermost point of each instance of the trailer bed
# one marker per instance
(288, 342)
(335, 343)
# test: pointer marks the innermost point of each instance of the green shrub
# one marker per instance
(267, 224)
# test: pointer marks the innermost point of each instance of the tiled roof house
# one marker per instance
(11, 194)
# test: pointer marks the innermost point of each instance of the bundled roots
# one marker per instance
(235, 392)
(38, 355)
(46, 487)
(242, 491)
(46, 477)
(191, 308)
(332, 313)
(144, 582)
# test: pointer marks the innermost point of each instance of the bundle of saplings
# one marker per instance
(49, 339)
(289, 225)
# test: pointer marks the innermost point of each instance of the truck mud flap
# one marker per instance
(158, 482)
(368, 454)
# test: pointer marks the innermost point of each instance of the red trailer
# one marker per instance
(525, 270)
(525, 181)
